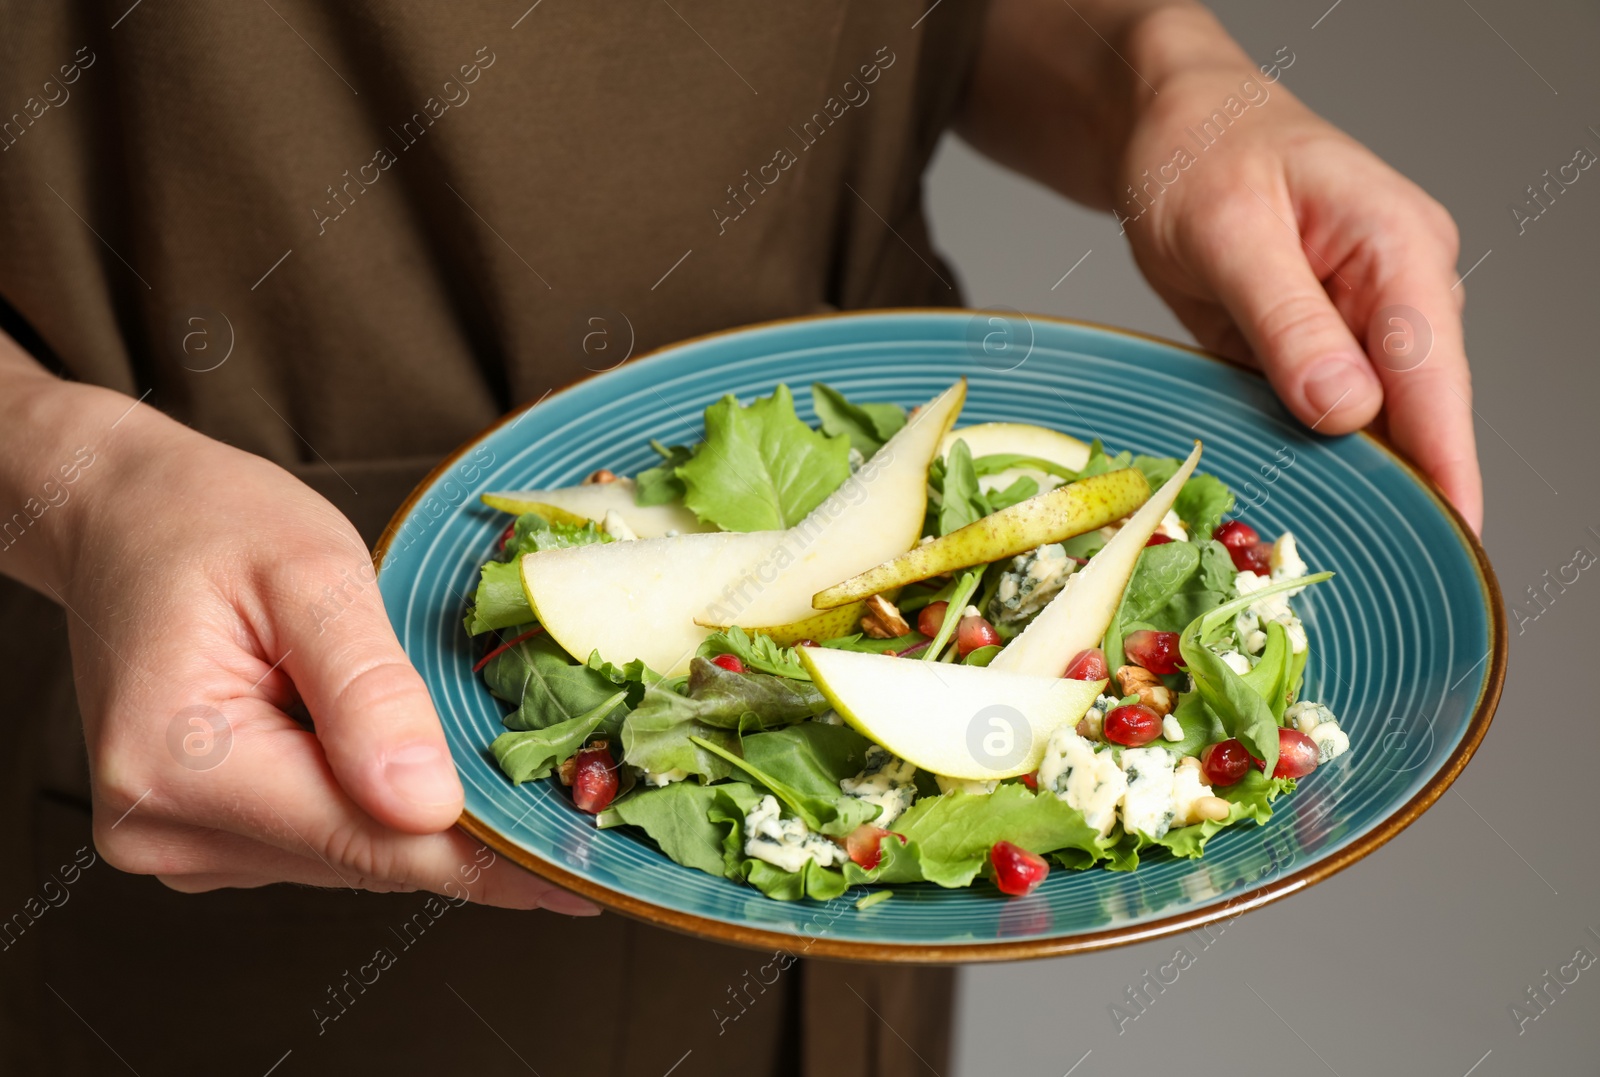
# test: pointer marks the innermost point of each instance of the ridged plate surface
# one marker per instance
(1408, 642)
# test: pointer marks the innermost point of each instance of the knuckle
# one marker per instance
(1289, 322)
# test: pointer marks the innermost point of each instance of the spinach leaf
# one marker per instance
(830, 812)
(659, 736)
(961, 502)
(1021, 489)
(867, 426)
(761, 468)
(534, 753)
(1201, 504)
(694, 824)
(809, 757)
(546, 685)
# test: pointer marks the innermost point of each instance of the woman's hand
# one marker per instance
(1275, 238)
(212, 596)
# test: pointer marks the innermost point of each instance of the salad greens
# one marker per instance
(742, 770)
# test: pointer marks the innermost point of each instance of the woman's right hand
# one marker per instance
(211, 596)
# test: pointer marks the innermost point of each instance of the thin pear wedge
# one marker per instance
(1069, 510)
(959, 721)
(579, 504)
(827, 624)
(1077, 618)
(643, 599)
(1020, 439)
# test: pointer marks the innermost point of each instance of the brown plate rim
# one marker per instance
(1059, 946)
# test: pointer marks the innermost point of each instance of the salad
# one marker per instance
(886, 649)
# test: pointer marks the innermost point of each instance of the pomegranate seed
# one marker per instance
(865, 845)
(1224, 762)
(1155, 651)
(1030, 780)
(975, 632)
(1158, 539)
(1132, 726)
(1235, 534)
(1256, 558)
(807, 642)
(594, 780)
(1089, 665)
(1297, 754)
(728, 662)
(1016, 871)
(931, 618)
(505, 536)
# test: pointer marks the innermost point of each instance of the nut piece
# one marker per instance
(1138, 681)
(1214, 809)
(604, 475)
(882, 619)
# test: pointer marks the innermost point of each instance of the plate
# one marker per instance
(1409, 641)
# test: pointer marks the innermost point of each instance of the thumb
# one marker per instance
(1259, 269)
(372, 712)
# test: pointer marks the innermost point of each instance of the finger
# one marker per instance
(278, 789)
(1249, 253)
(1415, 340)
(372, 712)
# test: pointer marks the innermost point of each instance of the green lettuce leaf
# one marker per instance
(499, 600)
(660, 485)
(761, 468)
(534, 753)
(867, 426)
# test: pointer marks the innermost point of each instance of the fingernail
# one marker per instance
(422, 774)
(1333, 381)
(568, 904)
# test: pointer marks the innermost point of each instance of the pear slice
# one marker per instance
(1077, 618)
(959, 721)
(579, 504)
(828, 624)
(1066, 511)
(1023, 439)
(643, 599)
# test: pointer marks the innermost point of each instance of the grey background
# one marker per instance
(1408, 962)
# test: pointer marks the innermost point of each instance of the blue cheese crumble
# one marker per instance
(974, 786)
(1162, 792)
(1317, 722)
(887, 781)
(1033, 579)
(1087, 780)
(786, 843)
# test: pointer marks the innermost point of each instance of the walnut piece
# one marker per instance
(882, 619)
(1137, 681)
(604, 475)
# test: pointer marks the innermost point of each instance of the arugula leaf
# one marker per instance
(867, 426)
(660, 485)
(1100, 461)
(534, 753)
(994, 463)
(761, 468)
(869, 645)
(757, 652)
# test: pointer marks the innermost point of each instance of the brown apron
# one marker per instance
(371, 229)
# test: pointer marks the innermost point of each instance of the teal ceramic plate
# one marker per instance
(1409, 643)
